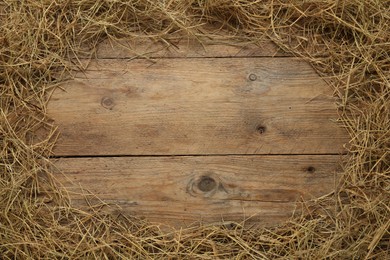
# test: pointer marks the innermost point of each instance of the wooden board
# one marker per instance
(196, 106)
(179, 47)
(187, 189)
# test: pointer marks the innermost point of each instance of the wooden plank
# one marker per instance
(186, 189)
(187, 47)
(204, 41)
(196, 106)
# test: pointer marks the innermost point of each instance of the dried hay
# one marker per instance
(347, 41)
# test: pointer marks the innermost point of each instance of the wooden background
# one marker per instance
(195, 132)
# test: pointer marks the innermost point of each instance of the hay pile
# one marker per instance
(347, 42)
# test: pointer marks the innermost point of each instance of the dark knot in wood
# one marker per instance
(207, 184)
(311, 169)
(204, 185)
(261, 129)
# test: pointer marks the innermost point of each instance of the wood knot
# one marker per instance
(311, 169)
(252, 77)
(261, 129)
(107, 103)
(205, 185)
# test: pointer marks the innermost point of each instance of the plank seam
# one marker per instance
(189, 155)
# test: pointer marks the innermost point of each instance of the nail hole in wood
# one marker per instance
(207, 184)
(261, 129)
(311, 169)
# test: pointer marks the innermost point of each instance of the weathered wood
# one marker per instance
(192, 106)
(179, 46)
(186, 189)
(191, 48)
(196, 106)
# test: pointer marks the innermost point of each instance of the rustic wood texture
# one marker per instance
(196, 106)
(184, 48)
(206, 132)
(186, 189)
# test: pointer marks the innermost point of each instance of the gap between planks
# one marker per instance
(189, 58)
(183, 155)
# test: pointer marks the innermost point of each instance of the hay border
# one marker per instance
(347, 39)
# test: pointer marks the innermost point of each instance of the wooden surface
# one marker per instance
(182, 190)
(196, 106)
(185, 48)
(197, 134)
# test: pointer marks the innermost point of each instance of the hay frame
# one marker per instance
(346, 41)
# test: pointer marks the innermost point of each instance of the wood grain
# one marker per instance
(186, 189)
(196, 106)
(181, 46)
